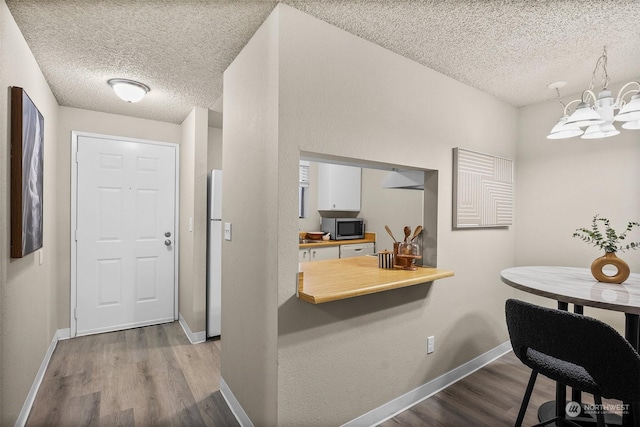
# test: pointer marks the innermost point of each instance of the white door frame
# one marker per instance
(74, 217)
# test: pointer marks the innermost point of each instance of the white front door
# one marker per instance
(125, 234)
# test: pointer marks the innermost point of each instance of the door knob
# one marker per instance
(167, 242)
(167, 234)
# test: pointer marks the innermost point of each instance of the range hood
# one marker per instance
(407, 179)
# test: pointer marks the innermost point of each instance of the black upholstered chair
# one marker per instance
(574, 350)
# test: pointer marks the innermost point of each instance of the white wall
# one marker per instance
(193, 207)
(339, 95)
(389, 206)
(251, 197)
(562, 184)
(28, 294)
(214, 150)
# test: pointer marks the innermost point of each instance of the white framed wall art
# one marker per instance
(482, 190)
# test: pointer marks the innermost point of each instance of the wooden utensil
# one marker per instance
(386, 227)
(407, 233)
(415, 233)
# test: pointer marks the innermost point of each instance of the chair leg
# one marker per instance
(599, 413)
(525, 399)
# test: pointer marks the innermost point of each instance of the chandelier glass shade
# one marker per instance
(584, 115)
(631, 111)
(598, 113)
(633, 125)
(561, 130)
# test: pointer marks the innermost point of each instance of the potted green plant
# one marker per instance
(611, 242)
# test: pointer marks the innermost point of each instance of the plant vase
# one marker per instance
(610, 258)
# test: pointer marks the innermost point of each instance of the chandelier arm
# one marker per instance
(589, 92)
(566, 108)
(621, 95)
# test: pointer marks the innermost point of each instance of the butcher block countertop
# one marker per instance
(368, 238)
(336, 279)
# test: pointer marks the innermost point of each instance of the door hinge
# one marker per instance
(76, 235)
(75, 313)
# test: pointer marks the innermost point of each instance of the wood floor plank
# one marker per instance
(149, 376)
(190, 358)
(84, 410)
(57, 390)
(118, 419)
(216, 413)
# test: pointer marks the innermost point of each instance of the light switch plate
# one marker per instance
(227, 231)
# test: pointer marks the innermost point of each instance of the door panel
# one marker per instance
(125, 269)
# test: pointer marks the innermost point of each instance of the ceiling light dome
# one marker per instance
(129, 90)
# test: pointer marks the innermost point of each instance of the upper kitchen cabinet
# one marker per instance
(339, 187)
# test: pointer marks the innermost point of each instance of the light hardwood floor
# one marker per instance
(153, 376)
(489, 397)
(149, 376)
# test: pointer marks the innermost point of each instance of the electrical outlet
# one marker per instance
(430, 344)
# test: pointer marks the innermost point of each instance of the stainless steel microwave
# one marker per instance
(343, 228)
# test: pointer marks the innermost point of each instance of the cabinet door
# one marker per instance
(331, 252)
(338, 187)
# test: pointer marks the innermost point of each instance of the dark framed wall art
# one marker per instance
(27, 168)
(482, 190)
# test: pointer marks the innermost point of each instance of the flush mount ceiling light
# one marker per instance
(129, 90)
(596, 113)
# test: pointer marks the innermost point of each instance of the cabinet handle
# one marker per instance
(314, 254)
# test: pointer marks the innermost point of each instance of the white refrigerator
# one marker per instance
(214, 256)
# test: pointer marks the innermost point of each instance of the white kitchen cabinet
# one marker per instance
(338, 187)
(320, 253)
(358, 249)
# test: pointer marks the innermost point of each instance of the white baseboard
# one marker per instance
(61, 334)
(194, 337)
(234, 405)
(407, 400)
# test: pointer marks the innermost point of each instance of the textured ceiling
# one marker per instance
(511, 49)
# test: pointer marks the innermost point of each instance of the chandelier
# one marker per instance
(597, 113)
